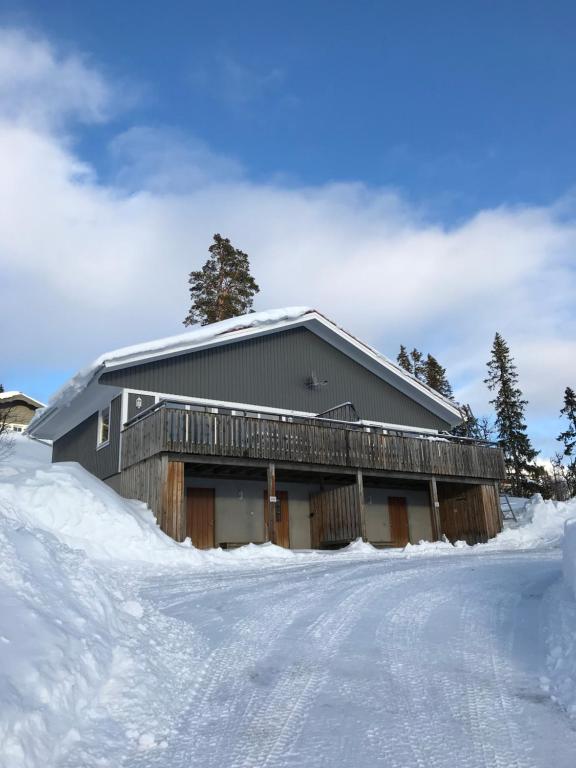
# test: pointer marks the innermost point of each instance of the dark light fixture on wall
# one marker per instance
(313, 382)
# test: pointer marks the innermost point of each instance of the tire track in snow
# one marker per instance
(226, 671)
(275, 725)
(398, 663)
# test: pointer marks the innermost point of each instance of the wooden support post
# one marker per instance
(172, 503)
(361, 505)
(498, 507)
(271, 501)
(435, 511)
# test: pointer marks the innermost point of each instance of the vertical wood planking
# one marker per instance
(435, 510)
(360, 503)
(469, 512)
(271, 490)
(173, 500)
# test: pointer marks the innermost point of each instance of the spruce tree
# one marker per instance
(403, 359)
(224, 287)
(435, 377)
(469, 426)
(418, 367)
(509, 407)
(568, 437)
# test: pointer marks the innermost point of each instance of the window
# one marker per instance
(104, 426)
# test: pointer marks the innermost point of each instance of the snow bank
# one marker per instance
(544, 526)
(75, 644)
(560, 682)
(62, 632)
(26, 453)
(84, 513)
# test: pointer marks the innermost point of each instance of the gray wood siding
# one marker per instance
(80, 444)
(272, 371)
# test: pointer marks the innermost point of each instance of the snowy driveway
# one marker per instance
(363, 662)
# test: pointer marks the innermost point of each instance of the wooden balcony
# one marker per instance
(172, 428)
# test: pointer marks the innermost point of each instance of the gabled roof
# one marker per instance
(236, 329)
(15, 395)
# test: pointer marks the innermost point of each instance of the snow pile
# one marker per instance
(444, 547)
(544, 526)
(84, 513)
(63, 636)
(561, 661)
(78, 650)
(359, 547)
(25, 453)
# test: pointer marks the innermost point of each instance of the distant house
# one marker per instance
(277, 426)
(17, 410)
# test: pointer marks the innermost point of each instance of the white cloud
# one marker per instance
(89, 266)
(42, 86)
(164, 160)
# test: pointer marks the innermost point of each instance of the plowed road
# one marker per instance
(361, 662)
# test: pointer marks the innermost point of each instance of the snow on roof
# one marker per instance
(15, 394)
(199, 334)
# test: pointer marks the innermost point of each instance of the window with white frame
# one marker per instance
(104, 426)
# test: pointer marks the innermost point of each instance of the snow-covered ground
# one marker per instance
(119, 647)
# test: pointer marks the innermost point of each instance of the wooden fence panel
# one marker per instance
(335, 517)
(469, 512)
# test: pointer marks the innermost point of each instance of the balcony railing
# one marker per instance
(173, 428)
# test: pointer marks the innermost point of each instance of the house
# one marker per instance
(17, 410)
(276, 426)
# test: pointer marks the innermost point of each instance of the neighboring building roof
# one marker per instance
(14, 395)
(236, 329)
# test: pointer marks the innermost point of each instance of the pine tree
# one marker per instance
(568, 437)
(403, 359)
(435, 377)
(224, 287)
(418, 367)
(509, 407)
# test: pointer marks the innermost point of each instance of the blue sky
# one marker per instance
(460, 105)
(415, 158)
